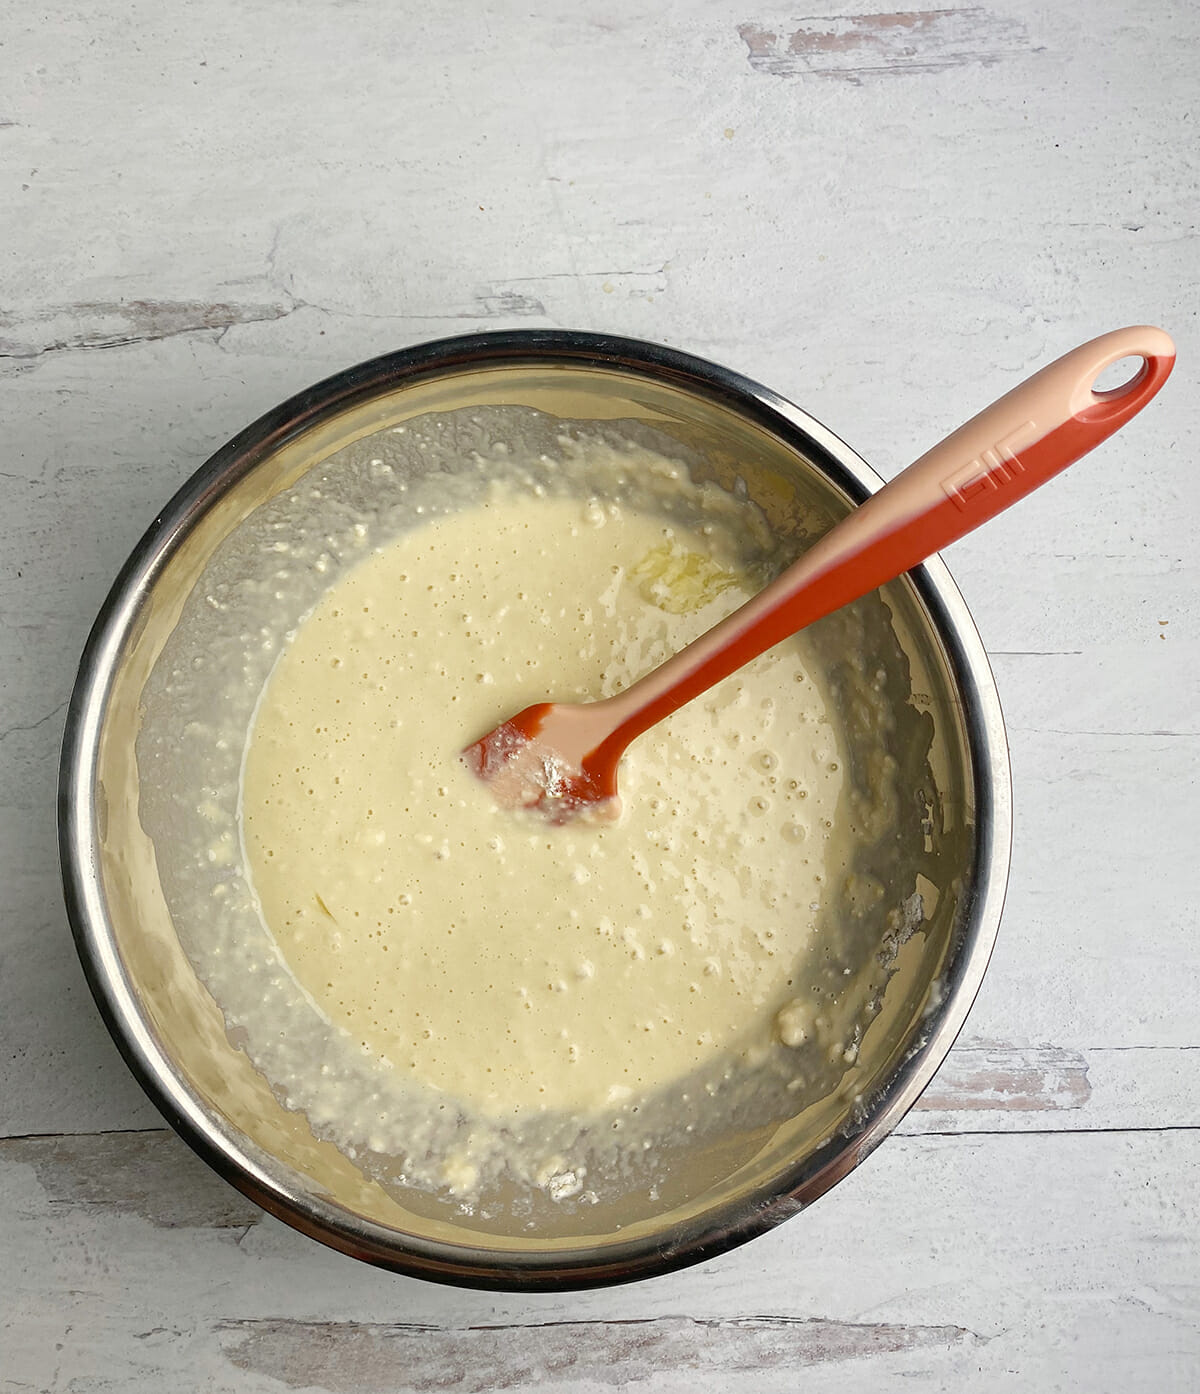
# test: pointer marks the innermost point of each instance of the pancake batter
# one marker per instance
(514, 966)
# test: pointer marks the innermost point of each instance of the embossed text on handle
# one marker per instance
(991, 468)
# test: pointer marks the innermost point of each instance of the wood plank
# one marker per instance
(1071, 1258)
(983, 1087)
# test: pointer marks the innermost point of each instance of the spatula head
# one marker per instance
(532, 762)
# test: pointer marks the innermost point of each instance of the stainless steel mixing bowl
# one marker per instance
(172, 1032)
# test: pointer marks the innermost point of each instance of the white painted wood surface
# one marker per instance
(888, 216)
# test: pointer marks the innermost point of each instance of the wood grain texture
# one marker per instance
(948, 1261)
(890, 216)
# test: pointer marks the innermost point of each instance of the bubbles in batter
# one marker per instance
(475, 950)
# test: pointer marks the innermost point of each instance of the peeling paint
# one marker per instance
(855, 47)
(369, 1358)
(150, 1174)
(495, 303)
(988, 1076)
(104, 324)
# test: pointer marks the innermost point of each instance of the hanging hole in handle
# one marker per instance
(1120, 377)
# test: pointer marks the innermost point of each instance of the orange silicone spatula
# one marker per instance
(562, 757)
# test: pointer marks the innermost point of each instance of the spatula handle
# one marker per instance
(998, 457)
